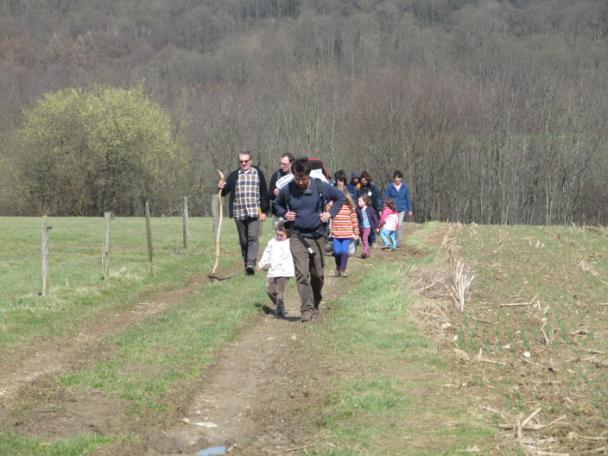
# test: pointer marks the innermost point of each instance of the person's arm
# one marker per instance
(382, 219)
(388, 192)
(272, 186)
(336, 196)
(265, 260)
(264, 201)
(228, 183)
(378, 197)
(354, 220)
(280, 204)
(410, 207)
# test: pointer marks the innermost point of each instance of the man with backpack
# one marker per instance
(303, 202)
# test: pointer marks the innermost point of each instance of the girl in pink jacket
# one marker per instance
(389, 225)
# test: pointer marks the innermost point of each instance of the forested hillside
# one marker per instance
(495, 111)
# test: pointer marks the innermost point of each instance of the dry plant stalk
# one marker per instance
(461, 281)
(460, 284)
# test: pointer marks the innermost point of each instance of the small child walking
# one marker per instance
(368, 222)
(277, 257)
(344, 231)
(389, 224)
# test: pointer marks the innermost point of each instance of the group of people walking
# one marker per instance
(310, 210)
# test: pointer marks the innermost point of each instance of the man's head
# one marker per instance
(301, 172)
(245, 160)
(286, 161)
(354, 177)
(397, 177)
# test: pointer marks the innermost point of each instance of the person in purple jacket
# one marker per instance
(400, 193)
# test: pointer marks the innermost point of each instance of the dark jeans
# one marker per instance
(249, 239)
(309, 271)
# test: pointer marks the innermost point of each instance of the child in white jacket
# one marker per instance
(277, 256)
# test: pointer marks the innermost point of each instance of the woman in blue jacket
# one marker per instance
(400, 193)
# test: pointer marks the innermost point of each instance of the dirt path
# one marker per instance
(263, 393)
(260, 397)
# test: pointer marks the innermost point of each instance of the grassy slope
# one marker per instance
(389, 397)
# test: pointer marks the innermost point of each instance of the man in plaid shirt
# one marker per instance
(248, 205)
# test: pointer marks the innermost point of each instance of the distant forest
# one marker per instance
(496, 111)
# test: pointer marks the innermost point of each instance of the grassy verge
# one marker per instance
(389, 397)
(15, 445)
(77, 290)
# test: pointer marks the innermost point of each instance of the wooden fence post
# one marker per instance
(105, 254)
(45, 255)
(149, 237)
(185, 223)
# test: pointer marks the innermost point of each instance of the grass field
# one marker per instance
(76, 289)
(392, 368)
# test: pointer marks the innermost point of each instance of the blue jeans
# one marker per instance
(340, 248)
(390, 238)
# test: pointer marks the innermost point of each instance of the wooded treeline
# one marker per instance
(495, 111)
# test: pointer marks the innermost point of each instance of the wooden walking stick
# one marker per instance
(218, 234)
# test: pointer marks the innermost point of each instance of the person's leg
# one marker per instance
(393, 239)
(317, 277)
(344, 256)
(271, 290)
(384, 234)
(301, 262)
(400, 231)
(253, 243)
(365, 241)
(241, 227)
(280, 285)
(335, 247)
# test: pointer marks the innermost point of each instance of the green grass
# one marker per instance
(81, 445)
(390, 400)
(150, 358)
(76, 289)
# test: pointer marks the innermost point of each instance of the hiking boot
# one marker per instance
(343, 274)
(279, 313)
(336, 273)
(307, 316)
(316, 314)
(386, 247)
(249, 270)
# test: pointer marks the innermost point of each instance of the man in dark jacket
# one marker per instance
(248, 205)
(303, 203)
(285, 163)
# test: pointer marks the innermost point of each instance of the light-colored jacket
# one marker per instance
(277, 256)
